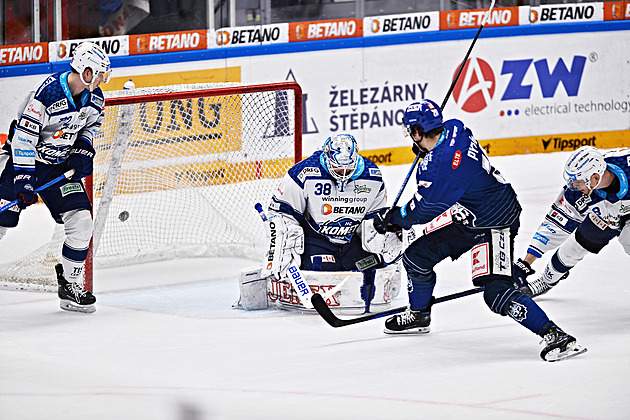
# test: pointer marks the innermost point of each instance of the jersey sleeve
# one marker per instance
(443, 177)
(31, 119)
(380, 200)
(562, 219)
(95, 118)
(289, 200)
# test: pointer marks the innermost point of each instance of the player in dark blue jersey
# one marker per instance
(591, 210)
(53, 134)
(480, 213)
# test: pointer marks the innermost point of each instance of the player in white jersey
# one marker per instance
(592, 209)
(323, 216)
(53, 134)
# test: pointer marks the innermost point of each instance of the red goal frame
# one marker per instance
(191, 94)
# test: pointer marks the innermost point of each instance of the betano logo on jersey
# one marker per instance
(328, 209)
(477, 85)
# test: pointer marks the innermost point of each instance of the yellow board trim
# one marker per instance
(222, 75)
(517, 146)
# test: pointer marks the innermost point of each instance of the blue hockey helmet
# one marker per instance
(426, 115)
(341, 158)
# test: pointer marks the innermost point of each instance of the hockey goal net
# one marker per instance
(177, 172)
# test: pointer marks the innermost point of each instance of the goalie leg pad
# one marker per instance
(253, 289)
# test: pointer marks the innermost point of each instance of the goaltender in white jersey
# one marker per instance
(323, 215)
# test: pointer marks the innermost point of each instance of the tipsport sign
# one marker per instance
(481, 85)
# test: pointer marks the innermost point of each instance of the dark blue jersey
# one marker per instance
(458, 170)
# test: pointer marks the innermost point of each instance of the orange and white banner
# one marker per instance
(23, 54)
(113, 46)
(168, 42)
(249, 35)
(616, 10)
(561, 13)
(397, 24)
(465, 19)
(325, 29)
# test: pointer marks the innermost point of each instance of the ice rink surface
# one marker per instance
(165, 343)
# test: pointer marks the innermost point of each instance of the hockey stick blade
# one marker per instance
(326, 313)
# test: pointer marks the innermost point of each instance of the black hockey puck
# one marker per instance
(124, 215)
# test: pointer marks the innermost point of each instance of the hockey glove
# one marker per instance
(81, 158)
(23, 188)
(521, 270)
(382, 221)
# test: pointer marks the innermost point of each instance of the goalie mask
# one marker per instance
(582, 165)
(341, 159)
(90, 56)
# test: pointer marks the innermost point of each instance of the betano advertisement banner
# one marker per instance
(519, 94)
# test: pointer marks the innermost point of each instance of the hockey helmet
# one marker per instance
(582, 165)
(90, 55)
(426, 115)
(341, 158)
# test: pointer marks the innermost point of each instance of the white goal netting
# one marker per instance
(177, 172)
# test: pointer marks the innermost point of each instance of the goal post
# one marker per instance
(177, 171)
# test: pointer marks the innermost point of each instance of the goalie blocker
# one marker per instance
(343, 290)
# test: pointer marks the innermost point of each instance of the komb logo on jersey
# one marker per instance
(477, 84)
(339, 229)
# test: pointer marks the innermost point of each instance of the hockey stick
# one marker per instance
(446, 98)
(294, 274)
(324, 311)
(38, 189)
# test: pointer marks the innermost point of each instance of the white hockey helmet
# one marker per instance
(341, 157)
(582, 165)
(90, 55)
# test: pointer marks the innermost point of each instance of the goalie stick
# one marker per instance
(448, 95)
(324, 311)
(38, 189)
(293, 272)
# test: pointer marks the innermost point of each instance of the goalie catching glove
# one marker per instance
(286, 244)
(388, 245)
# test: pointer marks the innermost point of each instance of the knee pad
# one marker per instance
(498, 294)
(78, 226)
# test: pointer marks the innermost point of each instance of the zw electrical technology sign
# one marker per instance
(477, 86)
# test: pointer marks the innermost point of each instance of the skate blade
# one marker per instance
(410, 331)
(571, 351)
(73, 307)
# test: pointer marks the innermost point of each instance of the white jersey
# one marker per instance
(49, 122)
(309, 196)
(607, 209)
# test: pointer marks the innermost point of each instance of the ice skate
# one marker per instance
(537, 287)
(408, 322)
(540, 286)
(559, 345)
(73, 296)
